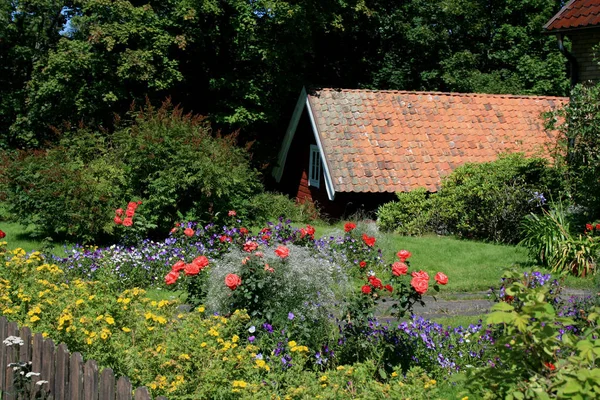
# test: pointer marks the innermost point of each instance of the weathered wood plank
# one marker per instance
(142, 393)
(61, 377)
(124, 390)
(76, 377)
(107, 384)
(48, 368)
(3, 363)
(12, 355)
(36, 360)
(90, 380)
(161, 398)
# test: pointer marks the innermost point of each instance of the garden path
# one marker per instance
(462, 304)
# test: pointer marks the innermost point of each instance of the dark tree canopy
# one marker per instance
(243, 62)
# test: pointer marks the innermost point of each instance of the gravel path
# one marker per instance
(462, 304)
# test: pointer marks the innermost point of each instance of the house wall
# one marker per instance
(587, 60)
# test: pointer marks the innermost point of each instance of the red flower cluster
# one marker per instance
(349, 226)
(191, 269)
(420, 280)
(232, 281)
(232, 213)
(550, 366)
(369, 240)
(243, 231)
(2, 235)
(590, 227)
(129, 213)
(375, 284)
(249, 246)
(308, 231)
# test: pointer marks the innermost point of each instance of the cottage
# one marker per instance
(350, 149)
(579, 20)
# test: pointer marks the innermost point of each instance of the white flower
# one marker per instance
(252, 329)
(9, 341)
(40, 383)
(30, 374)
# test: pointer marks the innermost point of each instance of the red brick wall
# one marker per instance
(587, 60)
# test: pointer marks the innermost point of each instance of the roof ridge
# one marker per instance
(456, 94)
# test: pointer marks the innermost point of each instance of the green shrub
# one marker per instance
(180, 169)
(67, 191)
(489, 200)
(410, 215)
(268, 206)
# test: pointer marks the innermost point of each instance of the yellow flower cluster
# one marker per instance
(295, 348)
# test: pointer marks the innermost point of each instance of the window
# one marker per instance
(314, 167)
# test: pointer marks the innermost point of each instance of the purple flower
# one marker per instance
(291, 316)
(251, 339)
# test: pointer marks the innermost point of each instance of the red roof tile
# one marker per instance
(391, 141)
(576, 14)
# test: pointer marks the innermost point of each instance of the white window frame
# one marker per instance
(314, 167)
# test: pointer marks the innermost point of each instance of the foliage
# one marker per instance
(66, 191)
(489, 200)
(267, 206)
(579, 125)
(173, 162)
(410, 215)
(551, 243)
(533, 345)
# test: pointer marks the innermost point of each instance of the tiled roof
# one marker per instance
(576, 14)
(391, 141)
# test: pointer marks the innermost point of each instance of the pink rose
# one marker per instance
(441, 278)
(282, 252)
(420, 275)
(130, 212)
(232, 213)
(178, 266)
(232, 281)
(376, 282)
(171, 277)
(420, 285)
(200, 261)
(119, 212)
(249, 246)
(118, 220)
(399, 268)
(189, 232)
(127, 222)
(192, 269)
(403, 255)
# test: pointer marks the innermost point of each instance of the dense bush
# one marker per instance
(66, 191)
(267, 206)
(409, 215)
(478, 200)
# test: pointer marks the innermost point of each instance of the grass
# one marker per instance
(22, 237)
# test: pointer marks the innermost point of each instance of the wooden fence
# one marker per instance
(69, 378)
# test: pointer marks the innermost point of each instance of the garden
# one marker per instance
(182, 273)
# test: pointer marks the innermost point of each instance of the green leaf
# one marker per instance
(500, 317)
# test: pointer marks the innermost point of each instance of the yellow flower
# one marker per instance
(241, 384)
(465, 398)
(125, 329)
(235, 338)
(79, 301)
(340, 368)
(200, 309)
(394, 374)
(432, 382)
(89, 340)
(109, 320)
(203, 344)
(184, 357)
(34, 318)
(100, 317)
(323, 378)
(292, 343)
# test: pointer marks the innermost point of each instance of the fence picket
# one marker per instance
(48, 369)
(107, 384)
(141, 393)
(76, 375)
(11, 357)
(61, 380)
(90, 381)
(124, 389)
(36, 360)
(3, 363)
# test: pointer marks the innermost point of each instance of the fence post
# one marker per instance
(141, 393)
(124, 389)
(48, 368)
(76, 375)
(90, 380)
(3, 363)
(36, 360)
(12, 330)
(61, 378)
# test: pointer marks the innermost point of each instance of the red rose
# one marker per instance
(133, 205)
(259, 254)
(389, 288)
(130, 212)
(550, 366)
(232, 213)
(588, 227)
(2, 235)
(369, 240)
(173, 230)
(249, 246)
(243, 231)
(139, 203)
(399, 268)
(403, 255)
(192, 269)
(441, 278)
(420, 285)
(302, 233)
(171, 277)
(119, 212)
(189, 232)
(282, 251)
(232, 281)
(269, 269)
(310, 230)
(178, 266)
(225, 238)
(366, 289)
(266, 229)
(349, 227)
(598, 227)
(362, 264)
(420, 275)
(200, 261)
(376, 282)
(117, 220)
(265, 237)
(127, 222)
